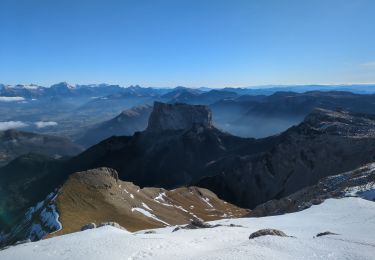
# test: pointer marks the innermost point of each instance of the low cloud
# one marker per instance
(11, 99)
(370, 64)
(42, 124)
(11, 125)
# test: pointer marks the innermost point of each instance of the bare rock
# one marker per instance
(267, 232)
(99, 178)
(326, 233)
(178, 116)
(196, 224)
(88, 226)
(112, 224)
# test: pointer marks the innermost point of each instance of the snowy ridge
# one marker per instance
(39, 221)
(352, 219)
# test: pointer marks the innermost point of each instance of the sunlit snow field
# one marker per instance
(352, 218)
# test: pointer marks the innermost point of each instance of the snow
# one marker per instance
(11, 99)
(48, 216)
(352, 218)
(207, 201)
(131, 196)
(160, 197)
(146, 206)
(148, 214)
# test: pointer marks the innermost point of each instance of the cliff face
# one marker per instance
(178, 117)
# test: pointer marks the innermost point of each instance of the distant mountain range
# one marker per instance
(178, 94)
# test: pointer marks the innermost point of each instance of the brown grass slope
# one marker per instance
(99, 196)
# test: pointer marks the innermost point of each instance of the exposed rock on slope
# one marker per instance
(267, 232)
(14, 143)
(359, 182)
(178, 116)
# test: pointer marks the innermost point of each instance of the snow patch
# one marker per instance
(207, 201)
(148, 214)
(146, 207)
(160, 196)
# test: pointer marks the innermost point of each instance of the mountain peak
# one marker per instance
(178, 116)
(341, 122)
(63, 85)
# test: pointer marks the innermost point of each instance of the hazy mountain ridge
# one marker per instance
(127, 123)
(298, 159)
(15, 143)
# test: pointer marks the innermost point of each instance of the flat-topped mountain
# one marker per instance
(178, 116)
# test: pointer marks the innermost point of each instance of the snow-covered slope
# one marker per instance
(353, 219)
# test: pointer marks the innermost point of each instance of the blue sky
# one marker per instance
(187, 42)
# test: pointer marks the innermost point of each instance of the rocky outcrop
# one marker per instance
(325, 233)
(88, 226)
(112, 224)
(100, 178)
(267, 232)
(178, 116)
(196, 224)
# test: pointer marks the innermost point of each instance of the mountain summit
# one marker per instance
(178, 116)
